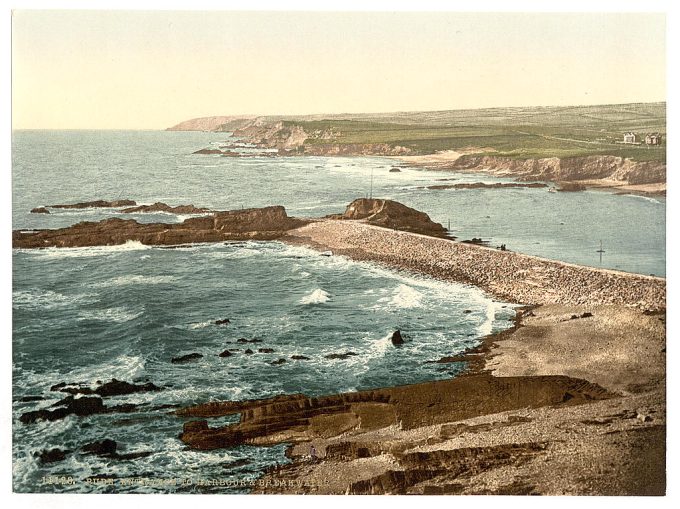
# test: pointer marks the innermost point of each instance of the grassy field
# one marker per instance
(510, 132)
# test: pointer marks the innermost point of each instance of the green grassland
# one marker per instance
(511, 132)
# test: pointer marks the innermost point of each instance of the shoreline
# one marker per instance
(491, 430)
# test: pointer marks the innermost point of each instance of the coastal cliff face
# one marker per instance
(217, 123)
(565, 169)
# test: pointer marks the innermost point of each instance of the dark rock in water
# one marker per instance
(395, 170)
(394, 215)
(448, 359)
(96, 204)
(28, 399)
(475, 240)
(186, 358)
(340, 355)
(208, 151)
(119, 388)
(236, 463)
(112, 388)
(40, 210)
(586, 315)
(52, 455)
(101, 448)
(225, 321)
(108, 448)
(164, 207)
(244, 340)
(467, 311)
(265, 223)
(277, 362)
(299, 357)
(248, 352)
(396, 339)
(265, 350)
(81, 407)
(226, 353)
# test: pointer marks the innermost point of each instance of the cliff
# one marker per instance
(564, 169)
(217, 123)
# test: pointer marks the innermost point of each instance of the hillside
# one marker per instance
(517, 133)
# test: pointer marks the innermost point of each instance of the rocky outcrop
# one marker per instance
(96, 204)
(164, 207)
(394, 215)
(299, 418)
(40, 210)
(74, 406)
(112, 388)
(183, 359)
(262, 224)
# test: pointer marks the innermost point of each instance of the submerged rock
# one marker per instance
(265, 350)
(226, 353)
(40, 210)
(52, 455)
(278, 362)
(101, 448)
(244, 340)
(224, 321)
(299, 357)
(186, 358)
(340, 355)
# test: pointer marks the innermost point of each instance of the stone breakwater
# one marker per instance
(509, 276)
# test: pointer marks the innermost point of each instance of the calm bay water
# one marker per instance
(83, 315)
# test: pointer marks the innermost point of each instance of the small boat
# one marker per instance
(327, 253)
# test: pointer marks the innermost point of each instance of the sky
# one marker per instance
(151, 70)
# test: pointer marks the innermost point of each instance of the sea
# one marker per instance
(87, 315)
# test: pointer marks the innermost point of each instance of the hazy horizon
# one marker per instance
(149, 70)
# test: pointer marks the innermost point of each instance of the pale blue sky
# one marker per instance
(124, 69)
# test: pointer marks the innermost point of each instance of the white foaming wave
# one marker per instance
(35, 299)
(404, 297)
(118, 314)
(135, 279)
(124, 367)
(84, 252)
(647, 198)
(490, 307)
(318, 296)
(201, 325)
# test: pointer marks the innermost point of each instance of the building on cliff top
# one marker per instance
(653, 139)
(630, 137)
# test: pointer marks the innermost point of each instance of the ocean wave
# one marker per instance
(84, 252)
(404, 297)
(117, 315)
(318, 296)
(646, 198)
(36, 299)
(135, 280)
(123, 367)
